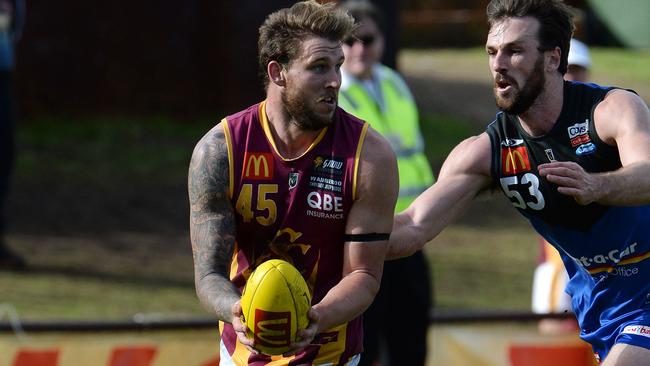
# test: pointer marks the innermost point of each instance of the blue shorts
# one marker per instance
(635, 332)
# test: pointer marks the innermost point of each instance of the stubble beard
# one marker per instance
(300, 113)
(520, 100)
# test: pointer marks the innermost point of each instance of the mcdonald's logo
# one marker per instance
(514, 160)
(258, 166)
(272, 329)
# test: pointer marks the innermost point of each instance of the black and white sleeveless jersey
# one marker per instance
(516, 155)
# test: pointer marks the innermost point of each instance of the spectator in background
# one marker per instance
(377, 94)
(11, 21)
(550, 278)
(579, 62)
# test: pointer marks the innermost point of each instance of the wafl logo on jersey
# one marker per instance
(329, 165)
(327, 173)
(579, 137)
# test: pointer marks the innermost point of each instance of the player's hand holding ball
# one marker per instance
(240, 328)
(275, 308)
(304, 337)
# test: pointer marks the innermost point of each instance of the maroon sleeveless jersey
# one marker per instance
(295, 210)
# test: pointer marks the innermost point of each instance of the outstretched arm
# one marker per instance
(622, 120)
(465, 173)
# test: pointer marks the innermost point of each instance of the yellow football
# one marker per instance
(275, 303)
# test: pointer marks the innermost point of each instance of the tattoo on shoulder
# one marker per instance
(208, 176)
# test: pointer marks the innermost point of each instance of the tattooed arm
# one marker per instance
(212, 225)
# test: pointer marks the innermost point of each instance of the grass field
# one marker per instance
(99, 209)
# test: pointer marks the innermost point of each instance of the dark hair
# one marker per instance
(284, 30)
(364, 9)
(554, 16)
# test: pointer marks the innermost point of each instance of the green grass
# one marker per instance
(627, 69)
(443, 133)
(483, 267)
(119, 147)
(113, 276)
(52, 296)
(125, 169)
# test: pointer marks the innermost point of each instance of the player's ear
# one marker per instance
(553, 58)
(275, 71)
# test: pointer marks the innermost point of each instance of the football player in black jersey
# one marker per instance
(574, 159)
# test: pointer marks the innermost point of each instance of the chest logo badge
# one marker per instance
(258, 166)
(514, 160)
(293, 180)
(579, 138)
(550, 155)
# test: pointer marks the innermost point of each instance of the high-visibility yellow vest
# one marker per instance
(397, 120)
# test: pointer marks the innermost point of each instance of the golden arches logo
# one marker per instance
(514, 160)
(511, 159)
(272, 329)
(262, 164)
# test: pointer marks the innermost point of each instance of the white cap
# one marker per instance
(579, 54)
